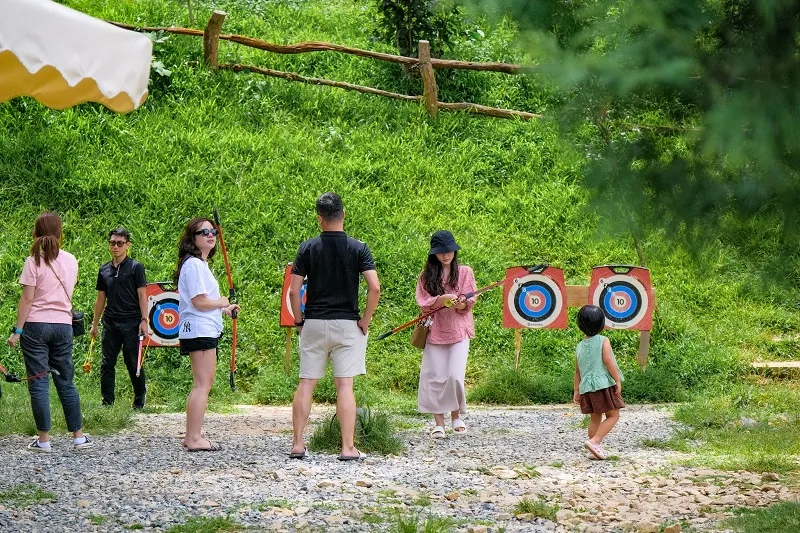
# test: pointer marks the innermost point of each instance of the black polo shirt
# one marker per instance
(120, 285)
(333, 263)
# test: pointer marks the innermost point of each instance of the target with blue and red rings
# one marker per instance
(287, 316)
(624, 294)
(162, 315)
(534, 299)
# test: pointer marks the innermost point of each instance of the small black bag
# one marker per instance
(78, 324)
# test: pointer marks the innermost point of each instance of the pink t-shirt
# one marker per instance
(50, 301)
(450, 325)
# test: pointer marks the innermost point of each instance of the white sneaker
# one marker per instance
(88, 443)
(35, 446)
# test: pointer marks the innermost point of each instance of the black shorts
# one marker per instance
(198, 344)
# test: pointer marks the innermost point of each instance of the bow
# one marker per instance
(139, 357)
(13, 378)
(231, 297)
(449, 303)
(87, 365)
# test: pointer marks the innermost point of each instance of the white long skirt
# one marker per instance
(441, 378)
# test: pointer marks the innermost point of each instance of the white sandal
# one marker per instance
(459, 427)
(437, 432)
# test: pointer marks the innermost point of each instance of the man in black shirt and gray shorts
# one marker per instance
(332, 327)
(122, 302)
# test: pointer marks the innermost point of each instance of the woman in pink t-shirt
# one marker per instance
(44, 330)
(444, 359)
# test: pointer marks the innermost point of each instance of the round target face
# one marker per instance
(302, 299)
(535, 301)
(164, 318)
(623, 300)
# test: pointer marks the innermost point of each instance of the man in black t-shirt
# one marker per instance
(332, 327)
(122, 302)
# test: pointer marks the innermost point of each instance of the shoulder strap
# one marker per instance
(61, 282)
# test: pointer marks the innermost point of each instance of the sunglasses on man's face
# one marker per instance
(205, 232)
(117, 244)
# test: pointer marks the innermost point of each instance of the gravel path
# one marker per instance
(142, 479)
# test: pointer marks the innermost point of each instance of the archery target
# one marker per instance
(162, 314)
(287, 317)
(534, 300)
(625, 299)
(288, 303)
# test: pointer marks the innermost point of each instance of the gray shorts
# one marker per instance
(340, 340)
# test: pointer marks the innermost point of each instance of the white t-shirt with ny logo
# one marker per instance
(195, 279)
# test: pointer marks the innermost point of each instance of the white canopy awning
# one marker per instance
(63, 57)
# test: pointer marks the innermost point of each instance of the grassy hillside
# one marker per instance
(263, 149)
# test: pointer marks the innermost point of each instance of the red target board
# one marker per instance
(534, 299)
(163, 321)
(287, 317)
(624, 294)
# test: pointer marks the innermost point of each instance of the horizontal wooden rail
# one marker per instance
(776, 364)
(319, 46)
(508, 68)
(292, 76)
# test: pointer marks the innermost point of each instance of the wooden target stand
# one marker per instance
(579, 295)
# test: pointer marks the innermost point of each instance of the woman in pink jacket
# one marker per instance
(443, 282)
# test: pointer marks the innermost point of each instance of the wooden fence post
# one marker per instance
(211, 39)
(430, 90)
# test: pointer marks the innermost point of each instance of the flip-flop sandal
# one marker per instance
(459, 427)
(299, 455)
(360, 457)
(437, 432)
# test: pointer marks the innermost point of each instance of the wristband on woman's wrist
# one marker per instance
(15, 330)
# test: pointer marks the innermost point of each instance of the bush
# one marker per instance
(651, 386)
(375, 433)
(507, 386)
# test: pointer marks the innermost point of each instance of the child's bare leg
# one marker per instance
(594, 423)
(612, 417)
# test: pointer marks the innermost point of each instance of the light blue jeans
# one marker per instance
(49, 346)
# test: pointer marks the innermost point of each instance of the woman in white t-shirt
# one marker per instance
(201, 308)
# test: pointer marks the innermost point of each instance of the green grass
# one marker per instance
(375, 433)
(779, 517)
(416, 524)
(713, 429)
(25, 495)
(263, 149)
(422, 500)
(538, 508)
(206, 525)
(98, 519)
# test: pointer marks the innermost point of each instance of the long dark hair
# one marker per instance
(432, 275)
(187, 248)
(47, 231)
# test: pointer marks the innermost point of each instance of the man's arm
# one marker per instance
(373, 295)
(295, 284)
(99, 306)
(142, 293)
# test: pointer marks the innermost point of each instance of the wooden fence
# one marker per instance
(426, 64)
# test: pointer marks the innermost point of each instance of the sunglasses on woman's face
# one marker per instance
(205, 232)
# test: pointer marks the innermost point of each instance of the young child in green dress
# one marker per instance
(598, 381)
